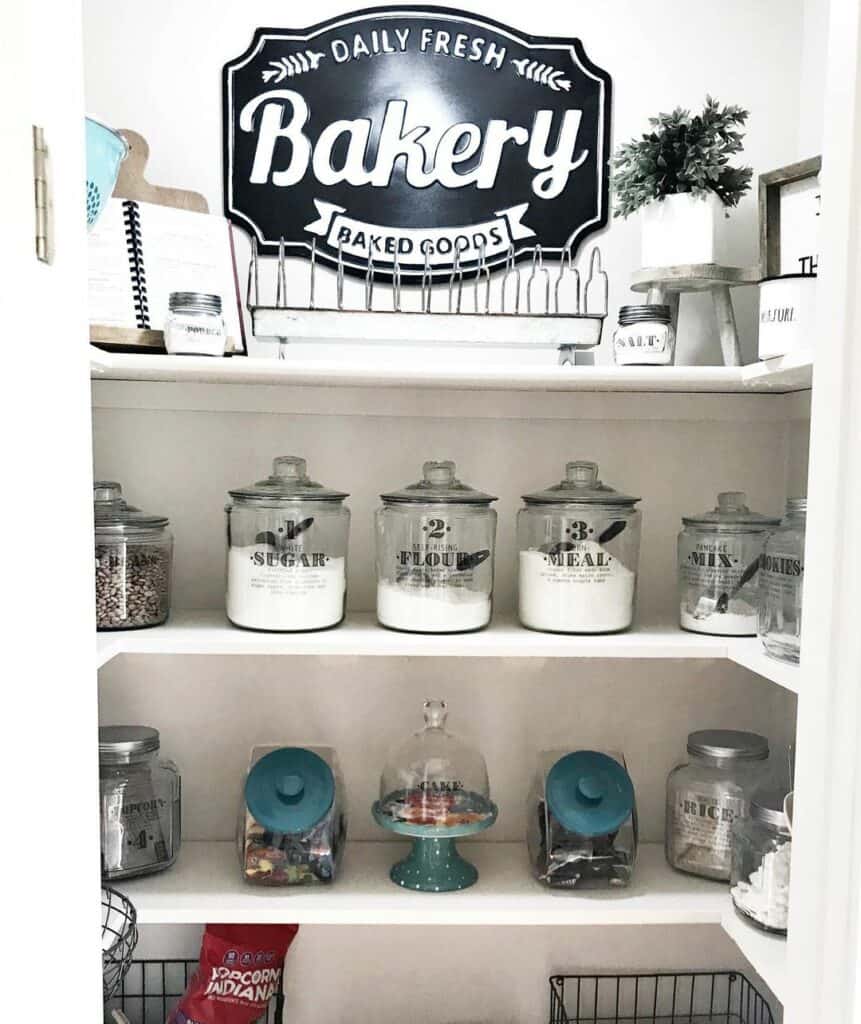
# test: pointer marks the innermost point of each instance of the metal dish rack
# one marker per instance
(531, 307)
(152, 988)
(724, 997)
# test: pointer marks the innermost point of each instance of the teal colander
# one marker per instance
(106, 150)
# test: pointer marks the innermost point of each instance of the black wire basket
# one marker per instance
(152, 988)
(119, 938)
(724, 997)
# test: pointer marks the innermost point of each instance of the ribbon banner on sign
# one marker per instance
(411, 134)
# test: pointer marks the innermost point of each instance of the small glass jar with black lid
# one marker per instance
(706, 794)
(645, 336)
(435, 547)
(287, 542)
(719, 554)
(134, 553)
(140, 803)
(781, 584)
(761, 855)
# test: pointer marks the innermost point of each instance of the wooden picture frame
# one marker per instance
(770, 185)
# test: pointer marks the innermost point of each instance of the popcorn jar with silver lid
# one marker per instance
(579, 544)
(133, 559)
(706, 794)
(287, 542)
(435, 547)
(140, 803)
(719, 554)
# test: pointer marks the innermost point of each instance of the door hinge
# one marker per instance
(40, 184)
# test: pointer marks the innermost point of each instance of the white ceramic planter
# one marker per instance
(787, 310)
(682, 229)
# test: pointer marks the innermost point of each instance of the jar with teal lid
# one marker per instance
(582, 820)
(292, 823)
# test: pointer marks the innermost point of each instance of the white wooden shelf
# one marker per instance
(776, 376)
(205, 885)
(209, 632)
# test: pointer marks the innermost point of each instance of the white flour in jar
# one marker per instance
(280, 593)
(740, 619)
(765, 895)
(431, 609)
(593, 594)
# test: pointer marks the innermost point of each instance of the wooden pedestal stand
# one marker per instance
(665, 285)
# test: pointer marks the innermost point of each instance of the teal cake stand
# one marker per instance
(434, 863)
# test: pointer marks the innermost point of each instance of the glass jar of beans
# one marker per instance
(134, 551)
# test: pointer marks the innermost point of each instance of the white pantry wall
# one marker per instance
(156, 67)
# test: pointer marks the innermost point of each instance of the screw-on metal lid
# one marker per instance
(732, 512)
(644, 313)
(439, 484)
(767, 806)
(289, 482)
(113, 514)
(194, 302)
(119, 744)
(580, 486)
(728, 745)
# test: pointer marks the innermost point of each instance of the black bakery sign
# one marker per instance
(413, 134)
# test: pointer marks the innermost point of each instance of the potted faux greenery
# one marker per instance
(678, 174)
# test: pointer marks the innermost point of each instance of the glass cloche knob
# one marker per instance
(436, 713)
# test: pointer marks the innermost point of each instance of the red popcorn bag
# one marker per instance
(239, 972)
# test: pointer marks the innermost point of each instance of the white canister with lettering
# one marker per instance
(787, 308)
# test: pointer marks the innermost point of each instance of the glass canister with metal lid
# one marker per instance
(719, 556)
(579, 545)
(435, 548)
(140, 803)
(287, 542)
(706, 794)
(134, 552)
(761, 855)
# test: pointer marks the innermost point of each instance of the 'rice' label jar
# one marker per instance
(706, 795)
(718, 561)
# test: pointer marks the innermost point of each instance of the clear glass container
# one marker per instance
(133, 556)
(579, 545)
(435, 550)
(706, 794)
(140, 803)
(287, 542)
(761, 855)
(781, 584)
(582, 820)
(194, 325)
(292, 820)
(435, 788)
(718, 559)
(645, 336)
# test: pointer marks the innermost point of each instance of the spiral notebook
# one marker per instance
(140, 252)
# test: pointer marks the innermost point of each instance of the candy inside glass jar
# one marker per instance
(133, 555)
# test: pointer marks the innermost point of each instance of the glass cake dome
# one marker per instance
(435, 788)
